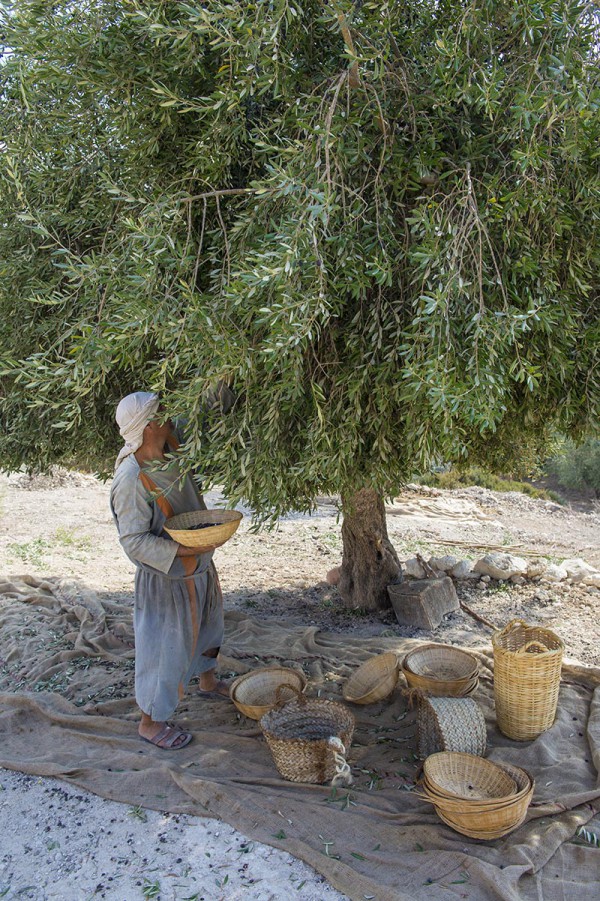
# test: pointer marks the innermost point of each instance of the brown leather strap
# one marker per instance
(157, 494)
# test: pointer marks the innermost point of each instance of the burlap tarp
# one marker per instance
(67, 710)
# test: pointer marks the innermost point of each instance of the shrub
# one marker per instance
(578, 466)
(474, 475)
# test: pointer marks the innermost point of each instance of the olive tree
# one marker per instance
(377, 222)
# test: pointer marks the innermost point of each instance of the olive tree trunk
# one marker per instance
(369, 561)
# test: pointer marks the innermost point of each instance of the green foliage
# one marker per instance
(378, 222)
(578, 466)
(475, 475)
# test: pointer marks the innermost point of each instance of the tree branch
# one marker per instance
(353, 76)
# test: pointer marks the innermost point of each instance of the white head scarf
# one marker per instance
(133, 414)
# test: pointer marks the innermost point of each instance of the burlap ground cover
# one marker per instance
(67, 710)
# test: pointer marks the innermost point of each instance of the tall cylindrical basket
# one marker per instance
(527, 664)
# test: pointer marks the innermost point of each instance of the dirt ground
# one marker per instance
(60, 525)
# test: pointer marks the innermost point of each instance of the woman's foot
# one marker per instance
(165, 735)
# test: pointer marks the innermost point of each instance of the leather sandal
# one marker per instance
(170, 738)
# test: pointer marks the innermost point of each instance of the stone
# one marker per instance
(501, 566)
(462, 570)
(485, 579)
(536, 568)
(334, 575)
(423, 603)
(443, 564)
(413, 568)
(593, 580)
(517, 580)
(555, 573)
(577, 569)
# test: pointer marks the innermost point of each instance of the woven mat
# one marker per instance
(66, 710)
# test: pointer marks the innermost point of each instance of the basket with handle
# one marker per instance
(374, 679)
(203, 528)
(255, 693)
(441, 670)
(450, 724)
(309, 739)
(527, 665)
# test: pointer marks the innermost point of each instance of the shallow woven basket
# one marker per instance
(467, 777)
(486, 819)
(450, 724)
(485, 824)
(255, 693)
(527, 665)
(373, 680)
(309, 739)
(441, 670)
(223, 524)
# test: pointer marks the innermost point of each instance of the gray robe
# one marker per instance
(178, 613)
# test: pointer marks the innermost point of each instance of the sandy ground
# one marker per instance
(60, 843)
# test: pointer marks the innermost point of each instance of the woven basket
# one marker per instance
(467, 777)
(527, 664)
(223, 524)
(255, 693)
(486, 824)
(441, 670)
(450, 724)
(309, 739)
(480, 818)
(373, 680)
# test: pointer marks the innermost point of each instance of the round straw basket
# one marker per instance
(450, 724)
(373, 680)
(255, 693)
(309, 740)
(467, 777)
(527, 664)
(506, 794)
(217, 527)
(441, 670)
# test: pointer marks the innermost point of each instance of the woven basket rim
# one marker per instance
(224, 525)
(382, 686)
(514, 626)
(461, 759)
(479, 804)
(483, 833)
(271, 720)
(440, 688)
(450, 651)
(253, 710)
(218, 515)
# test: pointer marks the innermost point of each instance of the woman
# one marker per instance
(178, 612)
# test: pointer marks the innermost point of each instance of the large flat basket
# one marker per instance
(203, 528)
